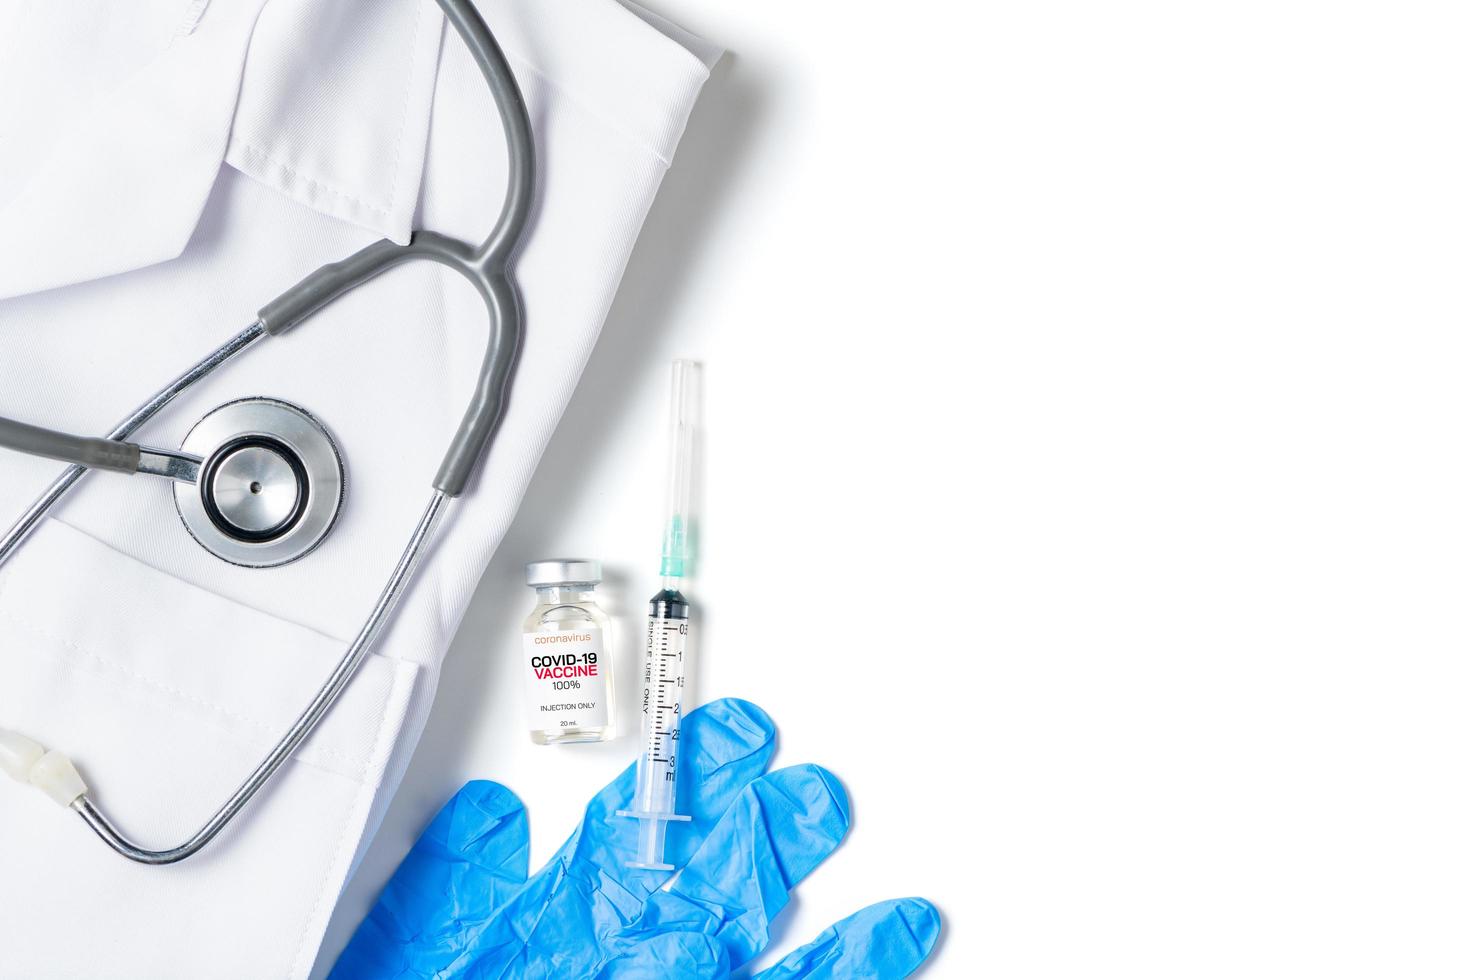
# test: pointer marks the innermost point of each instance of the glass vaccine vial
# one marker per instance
(567, 649)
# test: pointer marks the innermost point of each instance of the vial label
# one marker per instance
(566, 685)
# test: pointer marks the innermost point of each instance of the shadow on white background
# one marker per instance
(720, 135)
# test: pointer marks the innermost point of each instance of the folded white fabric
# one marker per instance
(164, 171)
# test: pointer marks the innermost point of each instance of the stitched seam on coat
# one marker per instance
(193, 14)
(348, 763)
(413, 46)
(317, 186)
(569, 94)
(362, 788)
(605, 118)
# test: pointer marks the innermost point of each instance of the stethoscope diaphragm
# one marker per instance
(270, 487)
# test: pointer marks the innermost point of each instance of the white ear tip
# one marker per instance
(51, 772)
(18, 754)
(55, 776)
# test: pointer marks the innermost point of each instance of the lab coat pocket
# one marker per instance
(167, 696)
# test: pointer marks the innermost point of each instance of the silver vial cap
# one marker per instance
(563, 571)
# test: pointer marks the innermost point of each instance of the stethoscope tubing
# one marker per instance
(304, 724)
(487, 267)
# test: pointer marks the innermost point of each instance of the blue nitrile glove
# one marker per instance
(460, 904)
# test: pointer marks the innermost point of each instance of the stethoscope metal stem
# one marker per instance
(211, 362)
(346, 667)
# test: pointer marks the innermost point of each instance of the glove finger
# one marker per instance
(773, 836)
(725, 745)
(470, 859)
(686, 955)
(886, 941)
(586, 893)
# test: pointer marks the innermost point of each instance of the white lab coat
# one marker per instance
(167, 167)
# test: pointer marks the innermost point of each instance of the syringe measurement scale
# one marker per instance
(663, 709)
(663, 681)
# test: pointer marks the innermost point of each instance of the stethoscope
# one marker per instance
(259, 482)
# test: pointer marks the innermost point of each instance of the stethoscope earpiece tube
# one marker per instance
(486, 267)
(502, 301)
(482, 417)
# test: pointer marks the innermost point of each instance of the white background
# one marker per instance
(1087, 482)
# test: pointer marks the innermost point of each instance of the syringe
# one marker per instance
(665, 657)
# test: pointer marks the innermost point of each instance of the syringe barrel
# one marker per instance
(663, 702)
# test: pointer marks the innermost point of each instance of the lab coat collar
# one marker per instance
(338, 123)
(326, 101)
(126, 179)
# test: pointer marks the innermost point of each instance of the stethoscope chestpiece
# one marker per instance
(270, 487)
